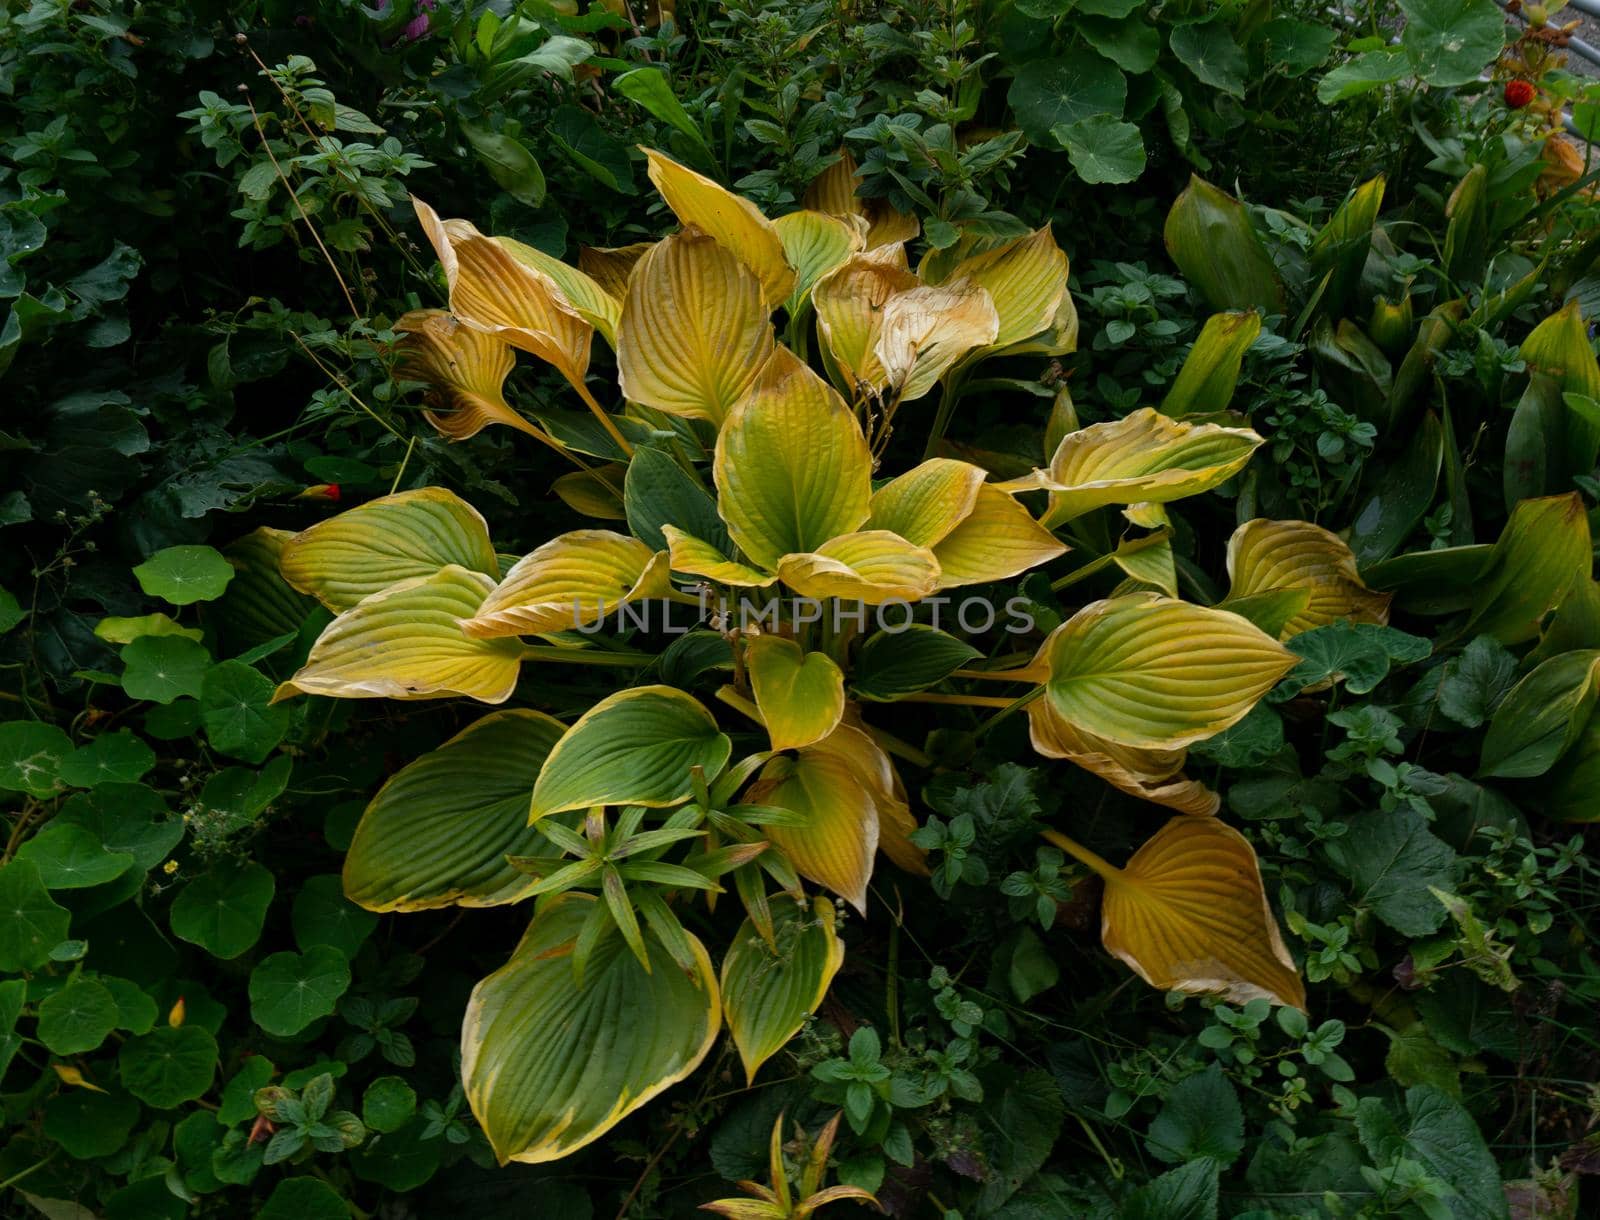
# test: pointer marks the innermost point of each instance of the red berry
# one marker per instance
(333, 491)
(1518, 94)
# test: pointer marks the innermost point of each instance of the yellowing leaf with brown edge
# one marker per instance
(694, 332)
(1188, 913)
(927, 502)
(873, 566)
(575, 578)
(1142, 458)
(597, 305)
(816, 243)
(1150, 775)
(1026, 279)
(1266, 555)
(824, 782)
(731, 219)
(610, 266)
(850, 303)
(800, 694)
(465, 370)
(374, 545)
(925, 330)
(699, 558)
(1145, 670)
(493, 291)
(792, 467)
(406, 642)
(767, 992)
(997, 540)
(834, 191)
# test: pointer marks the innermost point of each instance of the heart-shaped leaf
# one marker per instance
(800, 694)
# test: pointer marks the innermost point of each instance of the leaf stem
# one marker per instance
(1101, 868)
(600, 413)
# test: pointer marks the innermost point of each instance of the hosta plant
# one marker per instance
(758, 538)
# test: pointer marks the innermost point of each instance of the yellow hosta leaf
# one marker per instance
(927, 502)
(698, 558)
(815, 243)
(997, 540)
(800, 694)
(834, 191)
(493, 291)
(923, 331)
(1145, 670)
(873, 566)
(1150, 775)
(407, 643)
(382, 542)
(768, 992)
(1143, 458)
(465, 369)
(731, 219)
(694, 331)
(1188, 913)
(1265, 556)
(599, 307)
(575, 578)
(1027, 281)
(792, 468)
(1150, 561)
(1210, 373)
(850, 303)
(610, 266)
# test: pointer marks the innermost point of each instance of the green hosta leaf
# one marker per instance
(237, 709)
(1451, 41)
(324, 916)
(288, 991)
(1542, 716)
(389, 1104)
(1058, 92)
(168, 1066)
(550, 1065)
(69, 857)
(31, 754)
(768, 992)
(162, 668)
(1102, 148)
(636, 747)
(1391, 859)
(1208, 50)
(657, 491)
(439, 831)
(78, 1018)
(223, 911)
(1200, 1117)
(183, 575)
(112, 758)
(34, 924)
(1210, 373)
(895, 663)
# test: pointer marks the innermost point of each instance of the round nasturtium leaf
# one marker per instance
(112, 758)
(401, 1160)
(324, 916)
(237, 709)
(303, 1199)
(169, 1065)
(288, 991)
(33, 924)
(222, 912)
(69, 857)
(183, 575)
(31, 754)
(129, 818)
(389, 1104)
(162, 668)
(90, 1124)
(78, 1018)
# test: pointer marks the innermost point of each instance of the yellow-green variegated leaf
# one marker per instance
(549, 1064)
(1265, 556)
(597, 306)
(1142, 458)
(928, 501)
(828, 784)
(873, 566)
(464, 369)
(366, 549)
(1150, 775)
(440, 829)
(694, 332)
(925, 330)
(850, 303)
(406, 642)
(1149, 560)
(578, 577)
(816, 243)
(1210, 373)
(1188, 913)
(491, 290)
(997, 540)
(792, 468)
(1027, 281)
(1145, 670)
(834, 191)
(636, 747)
(800, 694)
(700, 558)
(735, 222)
(767, 992)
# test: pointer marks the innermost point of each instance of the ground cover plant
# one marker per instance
(778, 608)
